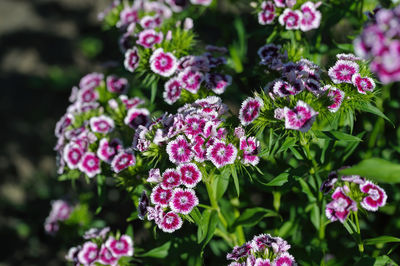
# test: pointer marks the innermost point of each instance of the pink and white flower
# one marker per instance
(290, 19)
(60, 210)
(280, 3)
(88, 254)
(116, 84)
(122, 161)
(106, 257)
(284, 259)
(283, 88)
(221, 154)
(386, 63)
(123, 247)
(195, 125)
(130, 102)
(87, 95)
(191, 80)
(250, 147)
(172, 90)
(200, 152)
(170, 179)
(376, 196)
(107, 150)
(90, 164)
(72, 155)
(218, 82)
(154, 176)
(160, 196)
(91, 81)
(250, 110)
(340, 207)
(348, 57)
(301, 117)
(137, 117)
(148, 38)
(183, 200)
(239, 252)
(150, 22)
(337, 97)
(311, 17)
(343, 71)
(132, 59)
(179, 150)
(170, 222)
(267, 15)
(163, 63)
(262, 262)
(128, 16)
(363, 84)
(190, 174)
(102, 124)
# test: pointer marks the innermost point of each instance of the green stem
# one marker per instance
(215, 205)
(360, 242)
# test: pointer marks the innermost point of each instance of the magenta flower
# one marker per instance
(107, 150)
(137, 117)
(162, 63)
(348, 57)
(191, 80)
(195, 125)
(183, 200)
(250, 110)
(170, 179)
(284, 259)
(386, 63)
(122, 161)
(190, 174)
(148, 38)
(280, 3)
(343, 71)
(87, 95)
(116, 84)
(131, 59)
(221, 154)
(60, 210)
(290, 19)
(102, 124)
(170, 222)
(218, 82)
(106, 257)
(154, 176)
(179, 150)
(172, 90)
(301, 117)
(311, 17)
(268, 51)
(72, 155)
(337, 97)
(239, 252)
(128, 16)
(340, 207)
(283, 88)
(200, 152)
(90, 164)
(64, 122)
(91, 81)
(363, 84)
(249, 146)
(88, 254)
(160, 196)
(123, 247)
(267, 15)
(150, 22)
(130, 102)
(376, 196)
(262, 262)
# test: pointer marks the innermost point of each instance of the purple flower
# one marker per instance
(137, 117)
(239, 252)
(116, 84)
(144, 203)
(218, 82)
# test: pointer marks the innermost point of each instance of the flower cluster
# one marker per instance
(262, 250)
(101, 247)
(60, 211)
(86, 135)
(350, 193)
(306, 18)
(380, 42)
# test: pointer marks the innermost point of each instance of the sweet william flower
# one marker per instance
(137, 117)
(149, 37)
(340, 207)
(179, 150)
(102, 124)
(191, 80)
(250, 110)
(343, 71)
(107, 150)
(170, 179)
(290, 19)
(183, 200)
(221, 154)
(91, 81)
(131, 59)
(218, 82)
(88, 254)
(116, 84)
(162, 63)
(363, 84)
(267, 15)
(190, 174)
(311, 17)
(301, 117)
(106, 257)
(72, 155)
(172, 90)
(170, 222)
(376, 197)
(122, 160)
(160, 196)
(90, 164)
(262, 262)
(239, 252)
(284, 259)
(123, 247)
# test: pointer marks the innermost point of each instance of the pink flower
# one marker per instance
(262, 262)
(311, 17)
(340, 207)
(249, 146)
(239, 132)
(106, 257)
(280, 3)
(148, 38)
(363, 84)
(190, 174)
(343, 71)
(123, 247)
(170, 179)
(91, 81)
(128, 16)
(101, 124)
(221, 154)
(60, 210)
(300, 117)
(63, 123)
(154, 176)
(90, 164)
(183, 200)
(179, 150)
(250, 110)
(170, 222)
(116, 84)
(283, 88)
(131, 59)
(122, 161)
(130, 102)
(201, 2)
(107, 150)
(290, 19)
(239, 252)
(137, 117)
(284, 259)
(337, 97)
(195, 125)
(348, 57)
(163, 63)
(72, 155)
(172, 91)
(160, 196)
(150, 22)
(191, 80)
(88, 254)
(218, 82)
(87, 95)
(387, 63)
(376, 196)
(199, 150)
(267, 15)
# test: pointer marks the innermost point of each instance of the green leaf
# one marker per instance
(378, 261)
(222, 182)
(289, 142)
(306, 189)
(153, 92)
(381, 240)
(196, 216)
(253, 216)
(158, 252)
(336, 135)
(377, 169)
(278, 181)
(235, 179)
(374, 110)
(209, 224)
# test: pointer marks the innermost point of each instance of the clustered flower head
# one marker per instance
(87, 138)
(380, 43)
(306, 18)
(262, 250)
(60, 211)
(101, 248)
(349, 194)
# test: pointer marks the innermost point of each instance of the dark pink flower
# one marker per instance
(122, 161)
(179, 150)
(88, 254)
(130, 102)
(191, 80)
(106, 257)
(137, 117)
(341, 205)
(150, 22)
(267, 15)
(107, 150)
(386, 64)
(250, 110)
(128, 16)
(91, 81)
(170, 222)
(221, 154)
(301, 117)
(102, 124)
(194, 125)
(262, 262)
(88, 95)
(363, 84)
(132, 59)
(200, 152)
(163, 63)
(290, 19)
(116, 84)
(183, 200)
(90, 164)
(239, 252)
(72, 155)
(190, 174)
(148, 38)
(376, 196)
(284, 259)
(337, 97)
(218, 82)
(123, 247)
(343, 71)
(250, 147)
(311, 17)
(172, 91)
(160, 196)
(170, 179)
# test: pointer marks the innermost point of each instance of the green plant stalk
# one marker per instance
(359, 239)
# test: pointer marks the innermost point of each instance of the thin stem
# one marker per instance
(214, 204)
(360, 242)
